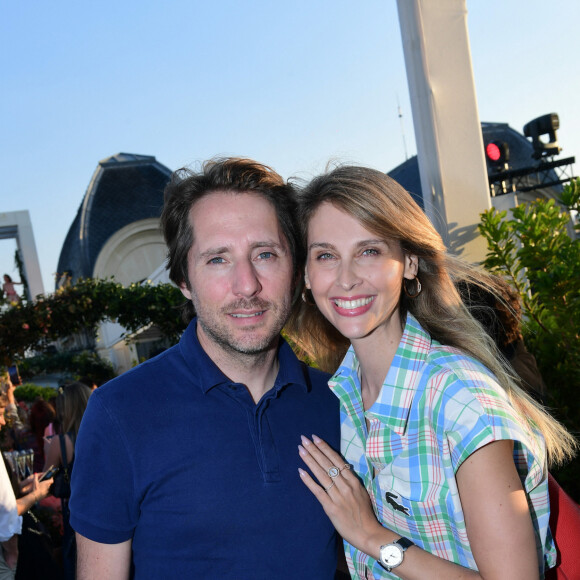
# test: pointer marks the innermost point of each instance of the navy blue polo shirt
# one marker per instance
(176, 457)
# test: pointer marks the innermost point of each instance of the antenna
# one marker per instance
(400, 113)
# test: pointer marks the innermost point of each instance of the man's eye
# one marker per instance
(265, 255)
(370, 252)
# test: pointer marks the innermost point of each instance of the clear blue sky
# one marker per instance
(291, 84)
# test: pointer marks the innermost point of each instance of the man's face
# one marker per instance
(240, 273)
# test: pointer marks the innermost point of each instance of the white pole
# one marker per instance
(446, 120)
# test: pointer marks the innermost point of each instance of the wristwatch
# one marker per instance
(391, 555)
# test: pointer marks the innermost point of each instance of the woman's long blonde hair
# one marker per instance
(384, 208)
(71, 403)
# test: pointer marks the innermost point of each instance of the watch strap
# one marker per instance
(404, 543)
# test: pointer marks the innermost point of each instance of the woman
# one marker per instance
(451, 452)
(9, 290)
(71, 403)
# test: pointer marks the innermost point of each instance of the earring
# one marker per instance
(417, 290)
(306, 300)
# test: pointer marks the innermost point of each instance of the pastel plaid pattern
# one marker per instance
(436, 407)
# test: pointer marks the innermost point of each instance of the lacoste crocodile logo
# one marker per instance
(391, 497)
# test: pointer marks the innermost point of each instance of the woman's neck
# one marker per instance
(375, 354)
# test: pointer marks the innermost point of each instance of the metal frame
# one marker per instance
(532, 178)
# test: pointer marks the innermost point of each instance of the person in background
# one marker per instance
(12, 508)
(18, 431)
(451, 453)
(42, 414)
(71, 403)
(90, 382)
(186, 465)
(501, 317)
(12, 296)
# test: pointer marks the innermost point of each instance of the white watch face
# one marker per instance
(391, 555)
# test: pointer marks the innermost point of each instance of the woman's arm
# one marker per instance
(10, 551)
(495, 492)
(497, 517)
(52, 453)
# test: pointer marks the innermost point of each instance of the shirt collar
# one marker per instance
(403, 377)
(209, 375)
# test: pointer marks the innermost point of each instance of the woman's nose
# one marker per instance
(347, 276)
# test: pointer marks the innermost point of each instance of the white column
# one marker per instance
(446, 120)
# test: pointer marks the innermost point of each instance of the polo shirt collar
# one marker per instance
(209, 375)
(394, 402)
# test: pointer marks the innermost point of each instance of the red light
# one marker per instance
(493, 152)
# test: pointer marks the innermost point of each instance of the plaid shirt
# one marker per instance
(436, 407)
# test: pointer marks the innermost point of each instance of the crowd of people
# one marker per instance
(37, 540)
(412, 451)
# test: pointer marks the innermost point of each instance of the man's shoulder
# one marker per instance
(160, 370)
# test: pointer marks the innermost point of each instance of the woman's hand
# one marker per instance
(35, 490)
(26, 484)
(342, 496)
(39, 488)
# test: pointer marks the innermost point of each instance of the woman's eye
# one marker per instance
(324, 256)
(216, 260)
(370, 252)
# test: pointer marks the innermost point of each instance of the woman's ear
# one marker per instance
(306, 278)
(411, 266)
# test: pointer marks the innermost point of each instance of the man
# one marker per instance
(187, 465)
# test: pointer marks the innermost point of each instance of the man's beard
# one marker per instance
(247, 344)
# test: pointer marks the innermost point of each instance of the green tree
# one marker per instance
(31, 326)
(533, 250)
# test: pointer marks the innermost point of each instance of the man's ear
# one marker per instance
(411, 266)
(185, 290)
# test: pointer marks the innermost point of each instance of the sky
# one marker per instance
(291, 84)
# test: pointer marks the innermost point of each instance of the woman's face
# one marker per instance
(355, 277)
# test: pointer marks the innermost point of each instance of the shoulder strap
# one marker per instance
(63, 452)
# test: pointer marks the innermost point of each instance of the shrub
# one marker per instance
(534, 251)
(29, 392)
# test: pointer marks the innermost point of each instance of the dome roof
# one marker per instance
(125, 188)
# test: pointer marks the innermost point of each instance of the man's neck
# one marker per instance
(257, 372)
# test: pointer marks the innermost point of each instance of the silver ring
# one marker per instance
(333, 472)
(327, 489)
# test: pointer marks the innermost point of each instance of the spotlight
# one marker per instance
(545, 125)
(497, 154)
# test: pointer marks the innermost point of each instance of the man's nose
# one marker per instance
(245, 280)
